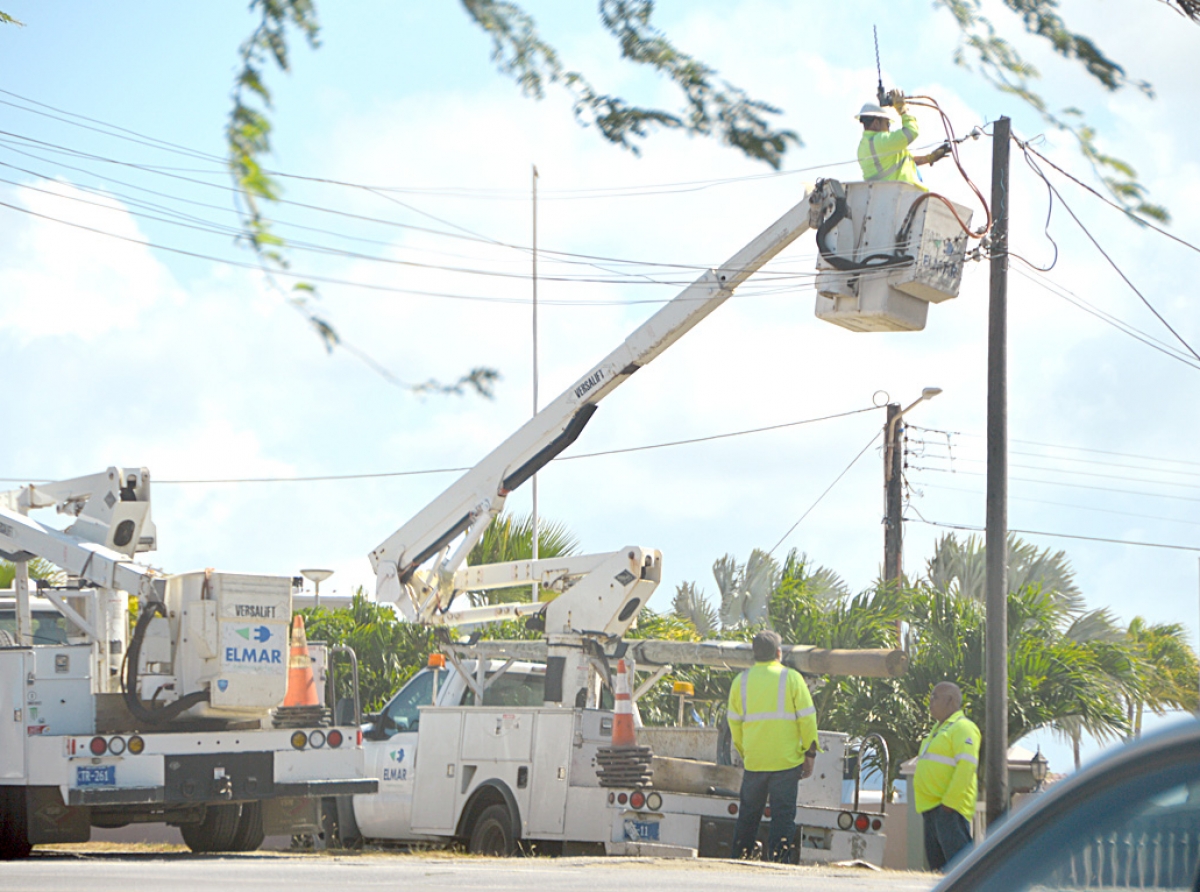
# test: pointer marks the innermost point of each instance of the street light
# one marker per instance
(316, 577)
(1039, 765)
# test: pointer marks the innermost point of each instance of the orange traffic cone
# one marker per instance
(623, 733)
(301, 687)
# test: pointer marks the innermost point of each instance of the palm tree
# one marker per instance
(962, 567)
(38, 569)
(510, 538)
(690, 604)
(1167, 670)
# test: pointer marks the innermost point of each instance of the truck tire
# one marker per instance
(14, 826)
(249, 835)
(492, 833)
(216, 832)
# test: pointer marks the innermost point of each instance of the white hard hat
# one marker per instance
(871, 110)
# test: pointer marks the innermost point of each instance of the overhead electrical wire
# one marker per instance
(1087, 232)
(1064, 446)
(826, 491)
(976, 492)
(453, 191)
(1040, 482)
(976, 529)
(605, 452)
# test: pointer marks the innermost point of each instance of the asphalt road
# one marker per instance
(65, 870)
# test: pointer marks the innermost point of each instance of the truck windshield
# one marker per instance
(49, 627)
(511, 689)
(403, 710)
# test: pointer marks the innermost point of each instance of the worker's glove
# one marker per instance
(896, 101)
(939, 153)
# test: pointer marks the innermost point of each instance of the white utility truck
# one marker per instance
(177, 720)
(510, 757)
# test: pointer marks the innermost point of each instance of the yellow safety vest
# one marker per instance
(885, 156)
(946, 767)
(772, 717)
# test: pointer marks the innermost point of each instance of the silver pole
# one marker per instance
(535, 370)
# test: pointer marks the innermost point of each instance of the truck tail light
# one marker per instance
(116, 746)
(299, 738)
(622, 798)
(316, 739)
(334, 739)
(98, 746)
(845, 821)
(638, 799)
(136, 745)
(861, 823)
(358, 737)
(733, 808)
(876, 824)
(654, 801)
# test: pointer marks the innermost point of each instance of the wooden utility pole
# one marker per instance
(893, 503)
(995, 744)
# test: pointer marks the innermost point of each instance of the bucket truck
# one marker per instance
(179, 720)
(508, 734)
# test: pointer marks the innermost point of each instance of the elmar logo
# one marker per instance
(222, 683)
(397, 756)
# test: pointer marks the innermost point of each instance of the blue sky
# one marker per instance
(121, 354)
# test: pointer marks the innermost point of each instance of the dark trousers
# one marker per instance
(946, 834)
(780, 787)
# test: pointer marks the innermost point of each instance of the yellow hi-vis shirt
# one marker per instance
(772, 717)
(885, 156)
(946, 767)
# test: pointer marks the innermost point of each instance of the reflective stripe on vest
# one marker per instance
(781, 710)
(882, 174)
(932, 757)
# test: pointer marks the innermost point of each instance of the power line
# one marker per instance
(975, 492)
(1177, 461)
(828, 489)
(1124, 327)
(451, 192)
(975, 529)
(428, 471)
(1124, 277)
(1026, 147)
(1040, 482)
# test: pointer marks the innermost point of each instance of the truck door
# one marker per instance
(391, 756)
(14, 665)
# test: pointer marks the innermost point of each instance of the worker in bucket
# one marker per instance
(774, 728)
(883, 153)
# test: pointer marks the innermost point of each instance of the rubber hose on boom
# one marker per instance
(132, 701)
(874, 261)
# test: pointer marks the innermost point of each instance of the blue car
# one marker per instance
(1131, 820)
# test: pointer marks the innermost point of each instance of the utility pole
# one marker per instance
(995, 775)
(893, 503)
(535, 371)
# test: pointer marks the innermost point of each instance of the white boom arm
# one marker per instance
(470, 503)
(113, 523)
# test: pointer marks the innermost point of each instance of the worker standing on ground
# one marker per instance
(883, 154)
(945, 784)
(774, 727)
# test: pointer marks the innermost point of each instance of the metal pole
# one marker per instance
(24, 615)
(996, 538)
(893, 522)
(535, 370)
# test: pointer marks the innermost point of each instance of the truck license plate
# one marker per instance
(95, 775)
(641, 831)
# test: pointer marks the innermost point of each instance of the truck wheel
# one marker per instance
(216, 832)
(14, 827)
(249, 835)
(493, 833)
